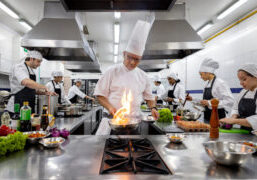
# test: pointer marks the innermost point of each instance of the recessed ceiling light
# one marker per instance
(116, 33)
(231, 9)
(115, 59)
(9, 11)
(205, 28)
(25, 24)
(115, 49)
(117, 15)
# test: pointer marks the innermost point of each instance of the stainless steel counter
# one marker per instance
(71, 123)
(80, 158)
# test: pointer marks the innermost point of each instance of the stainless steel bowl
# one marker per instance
(254, 132)
(35, 140)
(228, 153)
(52, 142)
(193, 116)
(176, 137)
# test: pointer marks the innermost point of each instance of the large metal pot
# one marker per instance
(73, 110)
(43, 100)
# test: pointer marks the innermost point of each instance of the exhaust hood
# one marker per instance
(171, 39)
(78, 66)
(111, 5)
(59, 37)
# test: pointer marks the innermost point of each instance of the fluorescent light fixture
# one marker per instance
(115, 59)
(115, 49)
(25, 24)
(9, 11)
(205, 28)
(116, 33)
(117, 15)
(231, 9)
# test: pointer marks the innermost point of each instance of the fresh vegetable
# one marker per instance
(5, 130)
(64, 133)
(12, 142)
(56, 133)
(165, 116)
(143, 107)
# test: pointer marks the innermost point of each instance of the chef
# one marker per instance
(244, 111)
(127, 77)
(56, 86)
(158, 90)
(75, 92)
(215, 88)
(175, 95)
(23, 82)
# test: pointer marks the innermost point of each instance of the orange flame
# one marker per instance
(120, 117)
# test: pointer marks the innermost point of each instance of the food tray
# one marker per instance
(189, 126)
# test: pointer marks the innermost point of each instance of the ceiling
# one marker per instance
(100, 24)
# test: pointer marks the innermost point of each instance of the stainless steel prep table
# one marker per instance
(81, 156)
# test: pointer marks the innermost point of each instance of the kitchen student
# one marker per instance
(158, 90)
(23, 82)
(127, 77)
(75, 92)
(175, 95)
(56, 86)
(244, 110)
(215, 88)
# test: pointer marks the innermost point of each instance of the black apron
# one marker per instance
(74, 99)
(159, 101)
(27, 94)
(207, 95)
(246, 108)
(171, 95)
(58, 91)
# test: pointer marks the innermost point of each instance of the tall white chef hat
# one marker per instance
(57, 73)
(250, 68)
(35, 54)
(137, 41)
(173, 76)
(157, 78)
(209, 65)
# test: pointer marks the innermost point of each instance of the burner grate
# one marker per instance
(135, 156)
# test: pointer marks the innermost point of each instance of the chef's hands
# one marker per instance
(168, 99)
(228, 120)
(155, 113)
(51, 93)
(112, 110)
(189, 98)
(204, 103)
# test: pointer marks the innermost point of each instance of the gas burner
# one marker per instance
(135, 156)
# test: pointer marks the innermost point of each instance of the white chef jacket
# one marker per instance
(251, 119)
(19, 73)
(179, 93)
(221, 91)
(117, 79)
(74, 90)
(160, 90)
(50, 87)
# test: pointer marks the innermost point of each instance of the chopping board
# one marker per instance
(234, 130)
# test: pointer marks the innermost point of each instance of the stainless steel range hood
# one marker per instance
(58, 36)
(153, 65)
(171, 39)
(78, 66)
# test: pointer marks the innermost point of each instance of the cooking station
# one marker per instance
(81, 156)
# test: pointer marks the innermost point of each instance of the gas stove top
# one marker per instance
(133, 156)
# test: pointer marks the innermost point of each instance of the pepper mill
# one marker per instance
(214, 121)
